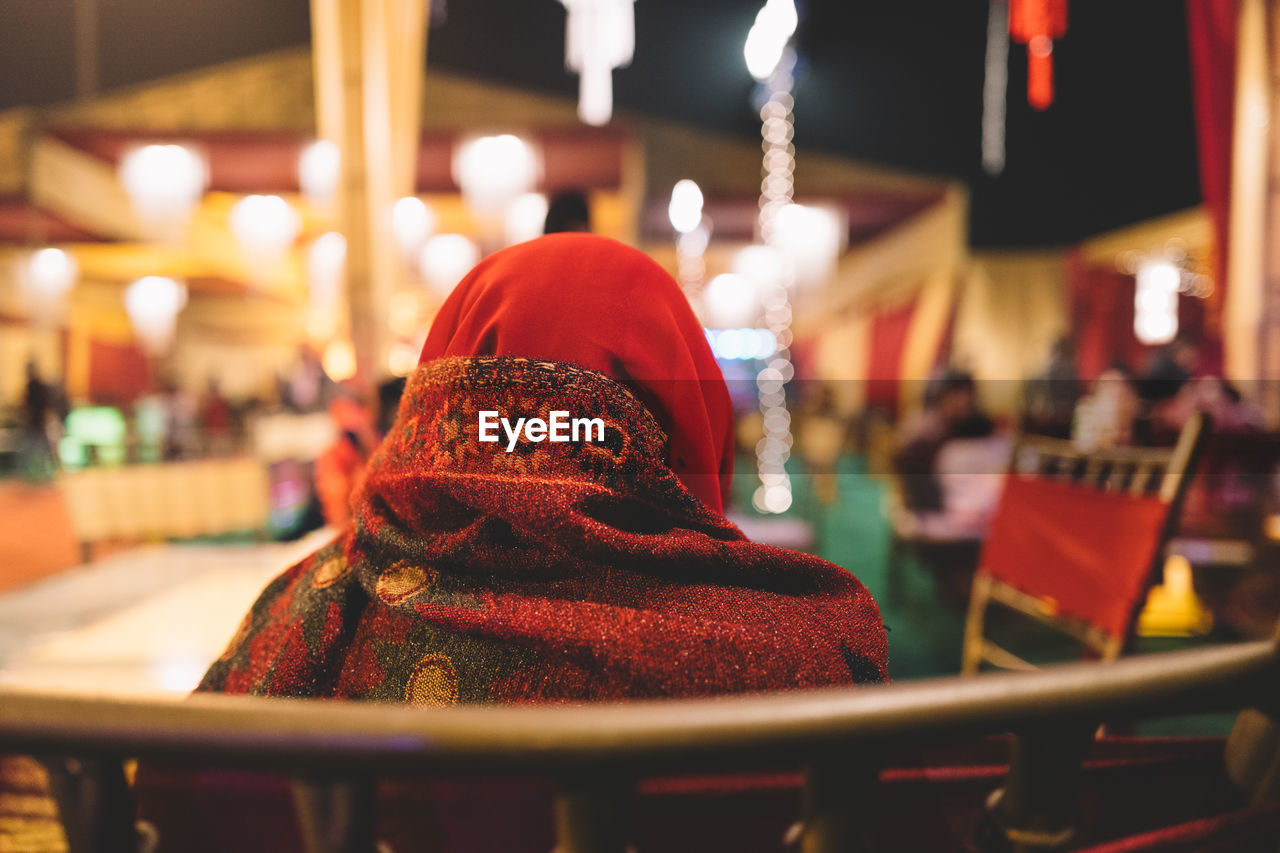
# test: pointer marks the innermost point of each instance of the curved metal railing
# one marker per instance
(596, 752)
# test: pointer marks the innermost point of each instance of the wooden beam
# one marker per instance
(82, 189)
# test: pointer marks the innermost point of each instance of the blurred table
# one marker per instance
(144, 621)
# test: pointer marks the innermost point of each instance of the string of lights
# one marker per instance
(773, 495)
(694, 230)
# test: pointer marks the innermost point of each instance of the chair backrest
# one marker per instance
(596, 754)
(1076, 539)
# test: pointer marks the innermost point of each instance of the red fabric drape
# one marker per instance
(1100, 306)
(888, 340)
(1088, 551)
(1211, 36)
(117, 373)
(1100, 301)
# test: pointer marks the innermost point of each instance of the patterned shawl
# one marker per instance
(557, 572)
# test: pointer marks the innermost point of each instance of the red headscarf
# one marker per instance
(599, 304)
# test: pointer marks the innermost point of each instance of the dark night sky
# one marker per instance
(898, 83)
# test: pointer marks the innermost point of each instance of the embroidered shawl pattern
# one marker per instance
(563, 571)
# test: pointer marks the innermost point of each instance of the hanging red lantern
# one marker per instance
(1036, 23)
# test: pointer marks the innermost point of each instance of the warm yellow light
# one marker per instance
(51, 271)
(774, 26)
(812, 239)
(326, 263)
(402, 313)
(493, 171)
(164, 183)
(339, 361)
(402, 360)
(322, 321)
(1155, 302)
(732, 302)
(319, 169)
(412, 222)
(152, 304)
(685, 209)
(525, 218)
(264, 225)
(45, 279)
(445, 259)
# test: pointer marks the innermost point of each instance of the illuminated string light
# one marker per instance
(742, 344)
(767, 41)
(776, 130)
(694, 230)
(777, 20)
(691, 263)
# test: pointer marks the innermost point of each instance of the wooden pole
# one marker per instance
(1243, 330)
(368, 58)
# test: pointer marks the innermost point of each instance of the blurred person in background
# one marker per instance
(951, 465)
(215, 419)
(389, 393)
(568, 211)
(338, 469)
(1051, 397)
(40, 425)
(1214, 396)
(950, 413)
(307, 388)
(181, 421)
(1168, 369)
(1107, 415)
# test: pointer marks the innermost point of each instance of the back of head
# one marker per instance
(596, 303)
(567, 211)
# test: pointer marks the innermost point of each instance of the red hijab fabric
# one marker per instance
(597, 303)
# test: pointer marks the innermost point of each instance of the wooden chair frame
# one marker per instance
(1163, 472)
(337, 751)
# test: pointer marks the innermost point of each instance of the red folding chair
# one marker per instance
(1076, 540)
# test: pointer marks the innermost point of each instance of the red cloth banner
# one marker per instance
(118, 373)
(889, 329)
(1211, 36)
